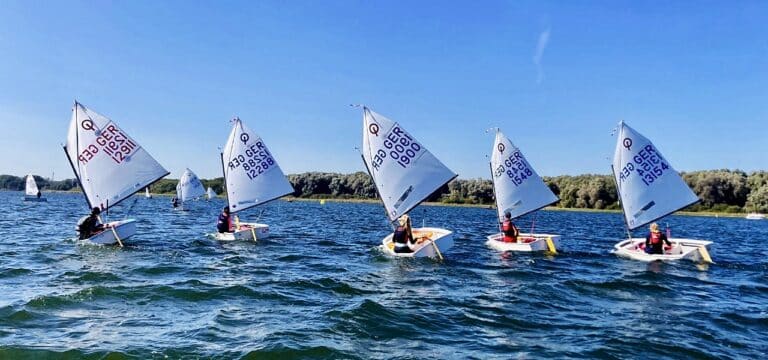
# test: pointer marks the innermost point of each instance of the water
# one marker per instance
(318, 288)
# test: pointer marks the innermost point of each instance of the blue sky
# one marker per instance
(555, 76)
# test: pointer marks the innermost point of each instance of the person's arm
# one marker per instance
(666, 241)
(648, 240)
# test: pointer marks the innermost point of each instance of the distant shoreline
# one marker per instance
(486, 206)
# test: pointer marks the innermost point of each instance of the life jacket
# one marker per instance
(655, 237)
(400, 236)
(224, 224)
(509, 230)
(80, 223)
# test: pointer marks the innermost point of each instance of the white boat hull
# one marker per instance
(693, 250)
(754, 216)
(123, 228)
(246, 231)
(35, 199)
(441, 237)
(525, 242)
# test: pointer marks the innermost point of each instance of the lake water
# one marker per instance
(319, 288)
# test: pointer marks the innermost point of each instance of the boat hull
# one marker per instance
(441, 237)
(755, 216)
(688, 249)
(35, 199)
(124, 229)
(526, 242)
(246, 232)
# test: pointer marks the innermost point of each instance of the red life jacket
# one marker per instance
(509, 230)
(655, 237)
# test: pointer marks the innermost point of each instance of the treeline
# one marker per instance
(719, 190)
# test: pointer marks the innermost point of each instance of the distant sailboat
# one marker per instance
(755, 216)
(405, 174)
(146, 193)
(31, 192)
(210, 194)
(649, 189)
(252, 177)
(189, 187)
(109, 166)
(519, 190)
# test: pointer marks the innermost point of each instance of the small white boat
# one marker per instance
(519, 190)
(525, 242)
(688, 249)
(755, 216)
(252, 177)
(210, 194)
(123, 228)
(146, 193)
(441, 238)
(245, 231)
(405, 174)
(649, 189)
(31, 192)
(109, 166)
(188, 188)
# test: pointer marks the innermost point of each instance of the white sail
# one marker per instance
(251, 174)
(189, 187)
(210, 193)
(110, 165)
(146, 193)
(648, 185)
(31, 188)
(518, 187)
(404, 171)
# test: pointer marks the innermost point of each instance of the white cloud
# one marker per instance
(539, 53)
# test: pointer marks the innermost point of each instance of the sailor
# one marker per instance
(654, 242)
(39, 194)
(224, 223)
(175, 202)
(403, 235)
(90, 225)
(509, 229)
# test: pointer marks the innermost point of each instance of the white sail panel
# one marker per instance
(519, 189)
(648, 185)
(189, 187)
(210, 193)
(31, 188)
(251, 173)
(110, 165)
(404, 171)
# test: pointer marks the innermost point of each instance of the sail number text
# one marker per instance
(399, 146)
(647, 163)
(113, 142)
(255, 160)
(515, 167)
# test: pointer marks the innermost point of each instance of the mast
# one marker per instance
(77, 151)
(224, 174)
(623, 214)
(495, 198)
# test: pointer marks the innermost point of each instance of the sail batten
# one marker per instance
(517, 186)
(109, 164)
(647, 184)
(251, 174)
(404, 171)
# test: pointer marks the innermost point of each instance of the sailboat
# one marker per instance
(405, 174)
(31, 192)
(109, 165)
(755, 216)
(210, 194)
(189, 187)
(519, 190)
(146, 193)
(252, 177)
(649, 189)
